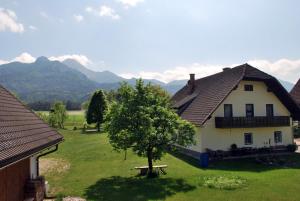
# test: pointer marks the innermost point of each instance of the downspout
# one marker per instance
(46, 153)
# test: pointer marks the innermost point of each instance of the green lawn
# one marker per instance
(98, 173)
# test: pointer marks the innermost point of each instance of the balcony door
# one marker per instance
(249, 110)
(228, 110)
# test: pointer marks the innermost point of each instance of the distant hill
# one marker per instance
(100, 77)
(108, 80)
(45, 80)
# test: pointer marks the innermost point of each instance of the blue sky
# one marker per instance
(156, 38)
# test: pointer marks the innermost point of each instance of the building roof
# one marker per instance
(209, 92)
(295, 93)
(22, 132)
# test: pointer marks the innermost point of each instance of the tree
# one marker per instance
(96, 109)
(144, 120)
(58, 115)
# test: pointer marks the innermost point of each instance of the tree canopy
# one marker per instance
(58, 115)
(96, 109)
(144, 120)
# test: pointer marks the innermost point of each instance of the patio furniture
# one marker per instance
(158, 168)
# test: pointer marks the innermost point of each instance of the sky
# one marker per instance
(157, 39)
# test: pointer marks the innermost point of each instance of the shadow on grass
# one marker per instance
(136, 188)
(290, 161)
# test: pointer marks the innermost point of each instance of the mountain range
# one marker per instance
(46, 80)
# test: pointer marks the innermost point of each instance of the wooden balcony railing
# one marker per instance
(252, 122)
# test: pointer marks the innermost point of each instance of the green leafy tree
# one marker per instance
(58, 115)
(85, 105)
(96, 109)
(43, 116)
(144, 120)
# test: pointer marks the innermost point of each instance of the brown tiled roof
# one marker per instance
(295, 93)
(22, 133)
(210, 92)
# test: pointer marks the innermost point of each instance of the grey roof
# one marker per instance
(210, 92)
(22, 132)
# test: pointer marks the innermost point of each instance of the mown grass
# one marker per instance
(98, 173)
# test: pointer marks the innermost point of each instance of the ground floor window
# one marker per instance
(248, 138)
(278, 137)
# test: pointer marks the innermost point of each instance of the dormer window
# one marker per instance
(248, 87)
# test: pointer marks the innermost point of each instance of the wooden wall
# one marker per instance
(12, 181)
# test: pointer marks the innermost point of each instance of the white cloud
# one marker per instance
(78, 18)
(283, 69)
(3, 62)
(82, 59)
(130, 3)
(8, 21)
(103, 11)
(44, 15)
(25, 58)
(33, 28)
(178, 72)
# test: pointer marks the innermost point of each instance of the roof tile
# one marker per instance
(22, 133)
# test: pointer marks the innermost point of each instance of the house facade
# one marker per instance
(242, 106)
(24, 137)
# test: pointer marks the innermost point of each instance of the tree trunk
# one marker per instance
(150, 165)
(125, 154)
(98, 127)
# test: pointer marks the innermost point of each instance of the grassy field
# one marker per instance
(89, 168)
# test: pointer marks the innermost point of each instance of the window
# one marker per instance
(249, 110)
(278, 137)
(248, 87)
(248, 138)
(269, 110)
(228, 110)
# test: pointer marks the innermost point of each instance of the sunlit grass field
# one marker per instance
(96, 172)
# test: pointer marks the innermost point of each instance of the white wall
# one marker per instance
(33, 167)
(221, 138)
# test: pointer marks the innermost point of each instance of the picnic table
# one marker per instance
(159, 168)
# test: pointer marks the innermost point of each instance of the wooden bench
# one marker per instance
(144, 169)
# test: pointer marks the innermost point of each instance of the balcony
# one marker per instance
(252, 122)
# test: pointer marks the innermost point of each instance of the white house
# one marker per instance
(241, 105)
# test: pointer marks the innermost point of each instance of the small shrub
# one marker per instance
(224, 182)
(292, 147)
(233, 149)
(59, 197)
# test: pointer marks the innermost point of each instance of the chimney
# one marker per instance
(226, 68)
(191, 83)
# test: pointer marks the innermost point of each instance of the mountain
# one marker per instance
(100, 77)
(45, 80)
(108, 80)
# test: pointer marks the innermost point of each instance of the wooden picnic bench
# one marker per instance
(159, 168)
